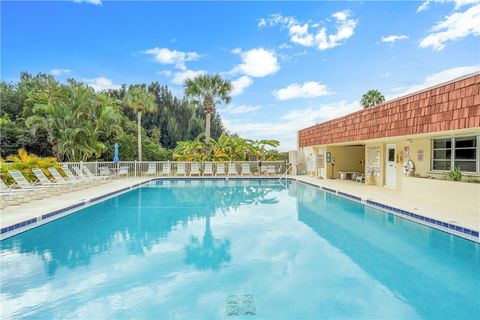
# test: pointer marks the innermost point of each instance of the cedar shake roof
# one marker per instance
(448, 106)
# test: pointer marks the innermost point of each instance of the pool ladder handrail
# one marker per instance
(284, 175)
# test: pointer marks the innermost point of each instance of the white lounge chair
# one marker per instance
(44, 181)
(271, 170)
(181, 169)
(105, 172)
(85, 176)
(220, 170)
(208, 169)
(38, 191)
(151, 170)
(232, 169)
(194, 169)
(166, 169)
(59, 178)
(123, 171)
(12, 196)
(85, 172)
(246, 169)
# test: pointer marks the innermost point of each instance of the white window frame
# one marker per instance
(452, 157)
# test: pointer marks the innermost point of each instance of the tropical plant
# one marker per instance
(225, 148)
(454, 175)
(140, 101)
(75, 119)
(372, 98)
(25, 162)
(208, 90)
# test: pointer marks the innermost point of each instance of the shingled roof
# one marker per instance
(448, 106)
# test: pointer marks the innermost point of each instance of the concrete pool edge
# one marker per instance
(36, 221)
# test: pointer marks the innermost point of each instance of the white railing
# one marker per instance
(140, 168)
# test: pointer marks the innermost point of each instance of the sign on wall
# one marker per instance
(406, 151)
(373, 161)
(419, 155)
(320, 160)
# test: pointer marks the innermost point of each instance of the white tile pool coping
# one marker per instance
(17, 219)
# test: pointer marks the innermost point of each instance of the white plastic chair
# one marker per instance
(181, 169)
(208, 169)
(166, 169)
(194, 169)
(152, 169)
(246, 169)
(232, 169)
(220, 170)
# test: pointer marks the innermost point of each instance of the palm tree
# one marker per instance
(140, 101)
(371, 98)
(208, 90)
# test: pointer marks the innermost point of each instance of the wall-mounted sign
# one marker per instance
(321, 160)
(329, 157)
(406, 151)
(419, 155)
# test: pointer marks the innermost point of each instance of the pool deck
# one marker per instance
(466, 217)
(42, 211)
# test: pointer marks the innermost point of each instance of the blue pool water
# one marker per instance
(240, 250)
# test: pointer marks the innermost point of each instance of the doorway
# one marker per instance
(390, 166)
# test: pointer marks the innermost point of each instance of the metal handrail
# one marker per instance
(284, 175)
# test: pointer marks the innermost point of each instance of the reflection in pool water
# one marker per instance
(180, 248)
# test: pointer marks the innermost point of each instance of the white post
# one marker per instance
(135, 168)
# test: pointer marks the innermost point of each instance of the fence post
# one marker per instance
(135, 168)
(96, 167)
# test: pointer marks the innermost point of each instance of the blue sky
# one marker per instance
(293, 64)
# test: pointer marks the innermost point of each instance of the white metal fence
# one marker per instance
(141, 168)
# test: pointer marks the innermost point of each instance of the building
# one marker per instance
(401, 142)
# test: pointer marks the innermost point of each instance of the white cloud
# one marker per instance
(180, 77)
(458, 3)
(285, 129)
(256, 62)
(309, 35)
(177, 58)
(233, 109)
(95, 2)
(392, 38)
(59, 71)
(309, 89)
(165, 73)
(101, 83)
(435, 79)
(240, 85)
(454, 27)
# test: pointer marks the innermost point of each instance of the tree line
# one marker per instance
(72, 122)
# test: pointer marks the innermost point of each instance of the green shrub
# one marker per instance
(454, 175)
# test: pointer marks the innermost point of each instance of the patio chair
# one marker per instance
(232, 169)
(123, 171)
(208, 169)
(12, 196)
(194, 169)
(271, 170)
(85, 177)
(152, 169)
(59, 178)
(85, 172)
(38, 191)
(220, 170)
(246, 169)
(44, 181)
(360, 177)
(166, 169)
(105, 172)
(181, 171)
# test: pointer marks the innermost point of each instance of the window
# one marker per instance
(459, 152)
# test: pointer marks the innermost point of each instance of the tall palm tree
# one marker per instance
(208, 90)
(371, 98)
(140, 101)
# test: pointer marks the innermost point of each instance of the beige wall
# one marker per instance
(347, 158)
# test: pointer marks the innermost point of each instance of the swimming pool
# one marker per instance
(254, 248)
